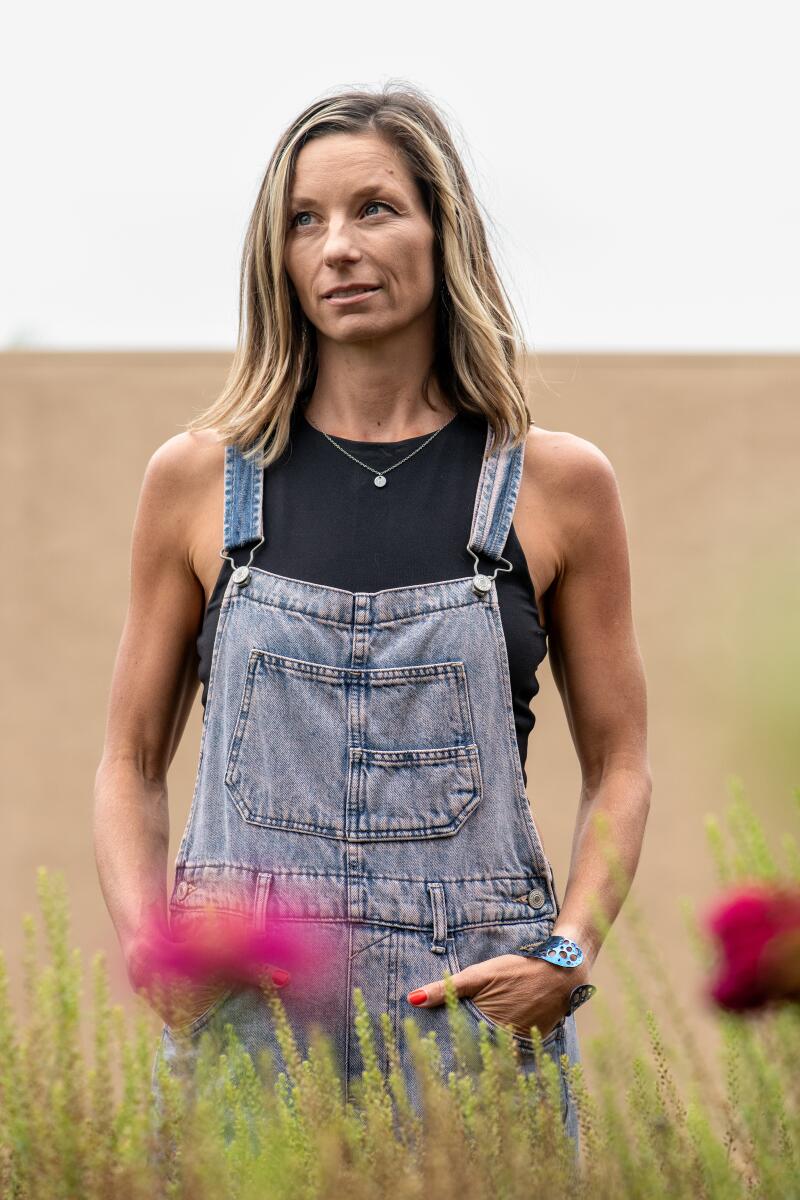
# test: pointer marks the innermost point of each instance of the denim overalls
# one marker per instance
(359, 772)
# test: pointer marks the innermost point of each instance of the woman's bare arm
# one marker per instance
(597, 666)
(153, 685)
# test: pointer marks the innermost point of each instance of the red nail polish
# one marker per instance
(280, 977)
(418, 996)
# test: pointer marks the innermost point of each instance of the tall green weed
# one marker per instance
(657, 1123)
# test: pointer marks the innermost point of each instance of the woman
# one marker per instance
(368, 646)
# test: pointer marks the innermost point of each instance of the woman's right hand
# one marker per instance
(181, 978)
(178, 1001)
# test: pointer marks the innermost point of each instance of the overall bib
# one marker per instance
(359, 772)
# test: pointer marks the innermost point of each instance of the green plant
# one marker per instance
(658, 1122)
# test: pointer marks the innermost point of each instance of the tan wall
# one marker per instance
(705, 450)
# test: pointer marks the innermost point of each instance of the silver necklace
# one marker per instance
(380, 476)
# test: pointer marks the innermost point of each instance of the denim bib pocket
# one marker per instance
(363, 753)
(411, 793)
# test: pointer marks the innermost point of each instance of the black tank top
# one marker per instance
(325, 522)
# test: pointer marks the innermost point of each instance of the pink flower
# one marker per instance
(757, 926)
(209, 944)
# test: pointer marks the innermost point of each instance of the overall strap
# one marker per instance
(244, 517)
(495, 499)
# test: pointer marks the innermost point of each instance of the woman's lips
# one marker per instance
(353, 298)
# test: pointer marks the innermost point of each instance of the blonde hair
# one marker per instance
(478, 344)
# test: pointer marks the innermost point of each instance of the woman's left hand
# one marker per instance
(511, 990)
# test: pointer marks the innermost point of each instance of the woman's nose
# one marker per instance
(340, 245)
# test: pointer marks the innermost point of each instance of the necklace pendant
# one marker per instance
(380, 481)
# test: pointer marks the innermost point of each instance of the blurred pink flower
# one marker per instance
(757, 926)
(218, 945)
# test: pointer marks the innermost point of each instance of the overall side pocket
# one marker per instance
(488, 942)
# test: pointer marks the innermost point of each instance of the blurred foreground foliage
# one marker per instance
(245, 1130)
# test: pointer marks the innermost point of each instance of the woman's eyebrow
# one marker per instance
(368, 189)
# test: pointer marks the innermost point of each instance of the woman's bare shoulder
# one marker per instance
(187, 465)
(567, 469)
(568, 497)
(182, 495)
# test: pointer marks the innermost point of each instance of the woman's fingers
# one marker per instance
(208, 955)
(508, 990)
(465, 983)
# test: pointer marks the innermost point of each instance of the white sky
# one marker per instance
(639, 162)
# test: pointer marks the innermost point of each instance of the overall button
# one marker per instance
(536, 898)
(241, 575)
(481, 584)
(181, 890)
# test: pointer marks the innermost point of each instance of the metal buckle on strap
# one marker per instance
(241, 575)
(483, 583)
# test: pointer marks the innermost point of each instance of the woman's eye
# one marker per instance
(294, 220)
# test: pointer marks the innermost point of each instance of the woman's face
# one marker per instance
(356, 217)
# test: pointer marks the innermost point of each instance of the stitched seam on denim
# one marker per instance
(287, 871)
(360, 614)
(227, 523)
(410, 759)
(376, 676)
(505, 501)
(251, 868)
(483, 493)
(218, 635)
(179, 906)
(411, 588)
(347, 1014)
(380, 938)
(466, 707)
(439, 914)
(405, 833)
(414, 615)
(222, 622)
(236, 521)
(484, 516)
(392, 995)
(480, 490)
(232, 755)
(265, 821)
(430, 612)
(377, 922)
(261, 896)
(503, 526)
(462, 755)
(245, 597)
(258, 501)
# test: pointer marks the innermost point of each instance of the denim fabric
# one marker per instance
(359, 773)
